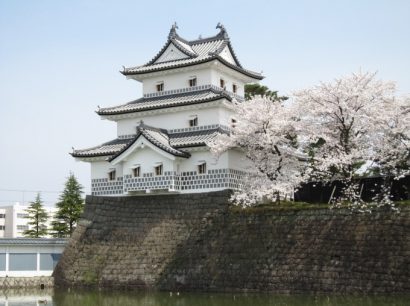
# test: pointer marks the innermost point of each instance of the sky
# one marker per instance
(60, 60)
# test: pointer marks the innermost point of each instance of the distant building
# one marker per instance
(13, 221)
(189, 92)
(27, 257)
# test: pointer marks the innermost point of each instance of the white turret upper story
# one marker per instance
(189, 90)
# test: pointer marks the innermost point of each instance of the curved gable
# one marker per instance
(171, 53)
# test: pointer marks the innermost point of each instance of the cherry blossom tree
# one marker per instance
(349, 122)
(328, 132)
(265, 131)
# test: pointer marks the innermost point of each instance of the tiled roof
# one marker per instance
(31, 241)
(157, 137)
(171, 143)
(198, 51)
(196, 138)
(180, 99)
(107, 148)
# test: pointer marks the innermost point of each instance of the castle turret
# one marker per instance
(188, 92)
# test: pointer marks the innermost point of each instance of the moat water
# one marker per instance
(127, 298)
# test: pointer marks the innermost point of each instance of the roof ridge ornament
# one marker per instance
(223, 31)
(173, 31)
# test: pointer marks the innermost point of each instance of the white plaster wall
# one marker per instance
(211, 161)
(100, 169)
(205, 76)
(177, 80)
(208, 116)
(147, 158)
(216, 75)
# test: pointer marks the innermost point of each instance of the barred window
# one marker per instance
(158, 170)
(193, 121)
(202, 168)
(111, 175)
(136, 172)
(234, 88)
(192, 82)
(160, 86)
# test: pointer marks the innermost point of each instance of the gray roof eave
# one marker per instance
(221, 96)
(33, 241)
(248, 73)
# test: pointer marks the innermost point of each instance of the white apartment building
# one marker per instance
(14, 221)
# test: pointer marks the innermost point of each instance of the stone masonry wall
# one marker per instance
(39, 282)
(196, 242)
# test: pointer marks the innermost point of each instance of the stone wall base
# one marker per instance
(38, 282)
(196, 242)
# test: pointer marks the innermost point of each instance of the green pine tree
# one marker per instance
(38, 218)
(254, 89)
(70, 207)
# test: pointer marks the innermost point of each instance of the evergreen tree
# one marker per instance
(38, 218)
(252, 90)
(70, 207)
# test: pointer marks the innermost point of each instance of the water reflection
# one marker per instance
(127, 298)
(26, 297)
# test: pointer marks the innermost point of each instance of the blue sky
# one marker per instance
(60, 59)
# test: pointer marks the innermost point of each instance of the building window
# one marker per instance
(22, 227)
(160, 86)
(192, 82)
(202, 168)
(222, 83)
(22, 215)
(233, 122)
(234, 88)
(2, 227)
(136, 172)
(158, 170)
(193, 121)
(2, 216)
(22, 262)
(111, 175)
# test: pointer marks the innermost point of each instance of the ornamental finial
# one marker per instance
(173, 31)
(223, 30)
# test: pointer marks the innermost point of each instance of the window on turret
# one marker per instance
(193, 121)
(234, 88)
(233, 122)
(202, 168)
(136, 171)
(192, 81)
(222, 83)
(160, 86)
(111, 175)
(158, 169)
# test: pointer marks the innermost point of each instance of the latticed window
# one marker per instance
(234, 88)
